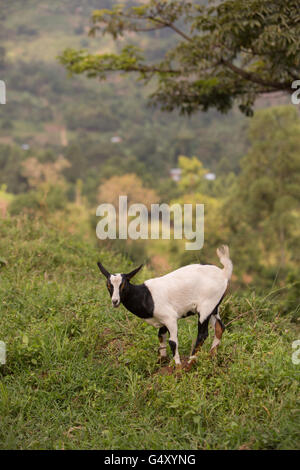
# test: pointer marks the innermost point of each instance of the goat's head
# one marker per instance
(117, 284)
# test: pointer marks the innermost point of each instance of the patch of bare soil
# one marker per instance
(177, 370)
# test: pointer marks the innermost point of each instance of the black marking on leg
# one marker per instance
(162, 331)
(202, 334)
(172, 346)
(215, 312)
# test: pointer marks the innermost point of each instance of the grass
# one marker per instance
(80, 375)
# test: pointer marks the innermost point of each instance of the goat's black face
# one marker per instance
(117, 284)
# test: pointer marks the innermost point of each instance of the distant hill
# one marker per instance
(81, 118)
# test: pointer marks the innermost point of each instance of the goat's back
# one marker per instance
(187, 288)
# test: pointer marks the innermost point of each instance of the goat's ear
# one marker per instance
(103, 270)
(133, 273)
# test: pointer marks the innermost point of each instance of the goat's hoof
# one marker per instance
(189, 364)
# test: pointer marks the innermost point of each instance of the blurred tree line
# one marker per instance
(114, 143)
(256, 211)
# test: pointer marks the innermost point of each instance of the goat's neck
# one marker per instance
(132, 296)
(138, 300)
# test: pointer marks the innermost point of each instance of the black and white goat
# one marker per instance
(161, 301)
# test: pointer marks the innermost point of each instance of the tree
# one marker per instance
(129, 185)
(132, 186)
(49, 188)
(264, 208)
(228, 52)
(48, 173)
(192, 174)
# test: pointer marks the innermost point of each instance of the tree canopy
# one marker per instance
(227, 52)
(264, 203)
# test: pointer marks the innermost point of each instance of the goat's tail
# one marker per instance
(223, 254)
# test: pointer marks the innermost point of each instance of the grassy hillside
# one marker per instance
(82, 375)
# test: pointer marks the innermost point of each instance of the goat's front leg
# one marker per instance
(173, 340)
(162, 337)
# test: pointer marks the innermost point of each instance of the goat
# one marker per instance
(161, 301)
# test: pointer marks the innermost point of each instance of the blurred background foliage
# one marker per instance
(68, 144)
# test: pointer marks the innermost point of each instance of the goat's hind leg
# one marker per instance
(219, 330)
(201, 337)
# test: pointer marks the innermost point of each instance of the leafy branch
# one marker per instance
(226, 52)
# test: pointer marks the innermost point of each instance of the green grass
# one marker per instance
(81, 375)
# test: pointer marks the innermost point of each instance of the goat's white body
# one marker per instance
(193, 288)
